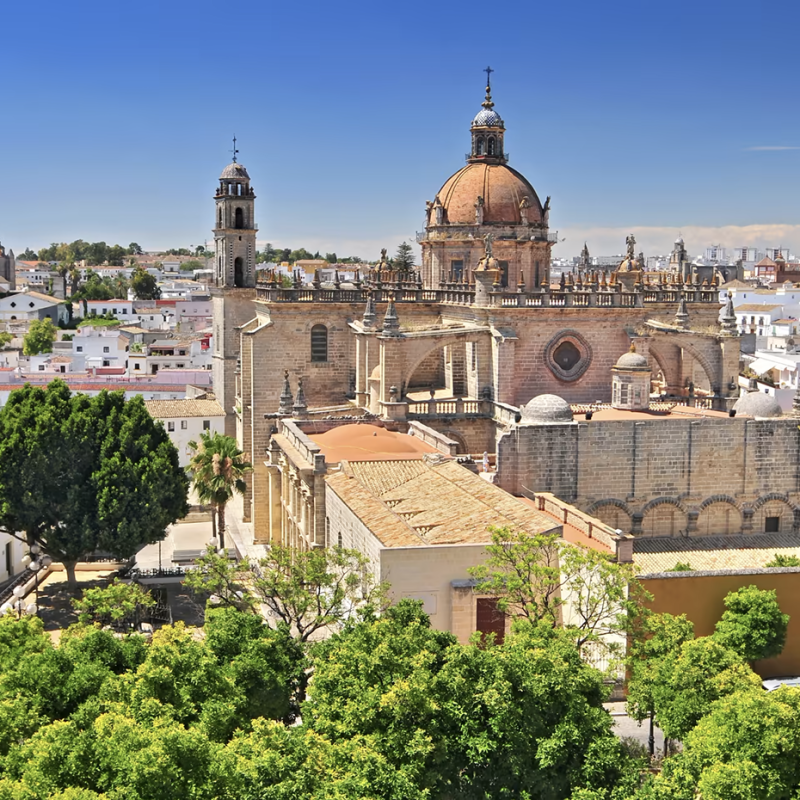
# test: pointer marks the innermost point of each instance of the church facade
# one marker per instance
(464, 343)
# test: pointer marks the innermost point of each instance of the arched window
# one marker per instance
(319, 343)
(238, 218)
(479, 146)
(219, 218)
(490, 148)
(238, 272)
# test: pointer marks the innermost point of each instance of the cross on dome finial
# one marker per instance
(487, 103)
(234, 151)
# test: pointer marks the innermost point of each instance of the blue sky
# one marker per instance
(633, 116)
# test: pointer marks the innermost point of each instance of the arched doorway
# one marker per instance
(238, 272)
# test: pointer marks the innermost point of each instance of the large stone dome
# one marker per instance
(759, 405)
(235, 171)
(501, 188)
(546, 409)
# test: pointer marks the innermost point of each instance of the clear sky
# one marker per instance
(647, 116)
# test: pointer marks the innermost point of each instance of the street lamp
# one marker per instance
(18, 593)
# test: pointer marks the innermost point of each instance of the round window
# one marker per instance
(568, 355)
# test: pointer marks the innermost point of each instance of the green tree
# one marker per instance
(134, 249)
(191, 265)
(746, 748)
(116, 255)
(144, 285)
(331, 258)
(534, 576)
(223, 581)
(681, 566)
(28, 255)
(40, 337)
(752, 625)
(781, 560)
(404, 257)
(78, 474)
(5, 338)
(301, 254)
(97, 253)
(218, 468)
(114, 604)
(314, 590)
(692, 677)
(659, 637)
(467, 721)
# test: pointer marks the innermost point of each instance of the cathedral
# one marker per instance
(481, 351)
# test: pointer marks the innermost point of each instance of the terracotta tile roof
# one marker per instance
(432, 504)
(711, 553)
(42, 296)
(751, 307)
(383, 476)
(169, 409)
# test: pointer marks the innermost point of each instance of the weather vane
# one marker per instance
(488, 72)
(235, 151)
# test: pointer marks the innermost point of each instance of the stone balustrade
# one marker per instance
(383, 285)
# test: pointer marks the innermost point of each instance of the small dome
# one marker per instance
(632, 360)
(487, 117)
(679, 240)
(236, 171)
(546, 409)
(759, 405)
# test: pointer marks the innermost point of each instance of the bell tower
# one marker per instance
(235, 228)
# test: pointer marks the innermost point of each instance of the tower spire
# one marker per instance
(234, 151)
(487, 103)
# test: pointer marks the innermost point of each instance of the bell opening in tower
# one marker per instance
(238, 219)
(238, 272)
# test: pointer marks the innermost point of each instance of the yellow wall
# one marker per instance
(700, 596)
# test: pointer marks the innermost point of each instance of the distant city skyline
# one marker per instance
(634, 118)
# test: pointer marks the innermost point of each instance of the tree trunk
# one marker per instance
(214, 522)
(72, 581)
(221, 524)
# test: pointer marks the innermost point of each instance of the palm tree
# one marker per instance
(218, 467)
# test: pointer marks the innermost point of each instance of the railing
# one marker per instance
(450, 408)
(385, 285)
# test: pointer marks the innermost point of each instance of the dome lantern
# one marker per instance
(487, 131)
(630, 382)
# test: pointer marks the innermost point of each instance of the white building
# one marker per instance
(100, 346)
(185, 420)
(121, 309)
(193, 314)
(28, 306)
(11, 552)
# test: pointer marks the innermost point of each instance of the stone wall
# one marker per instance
(231, 308)
(663, 477)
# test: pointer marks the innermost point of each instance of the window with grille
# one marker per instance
(319, 343)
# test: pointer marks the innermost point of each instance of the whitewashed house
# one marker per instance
(185, 420)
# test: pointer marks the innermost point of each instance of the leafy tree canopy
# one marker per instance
(79, 473)
(753, 624)
(40, 337)
(144, 285)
